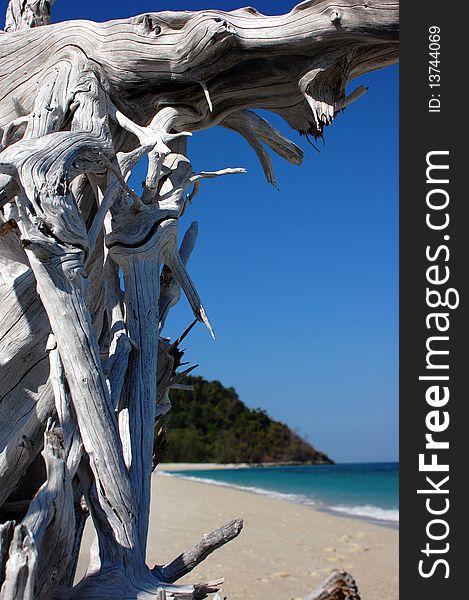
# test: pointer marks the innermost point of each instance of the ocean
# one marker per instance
(363, 490)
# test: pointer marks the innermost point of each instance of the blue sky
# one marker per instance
(300, 285)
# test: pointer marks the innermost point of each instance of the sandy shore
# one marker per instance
(284, 551)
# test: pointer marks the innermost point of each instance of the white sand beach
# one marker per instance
(284, 550)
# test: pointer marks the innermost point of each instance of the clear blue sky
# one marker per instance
(301, 285)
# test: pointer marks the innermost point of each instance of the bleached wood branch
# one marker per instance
(256, 130)
(21, 567)
(178, 268)
(353, 97)
(141, 274)
(121, 345)
(201, 590)
(81, 515)
(50, 517)
(59, 286)
(26, 399)
(154, 138)
(210, 542)
(6, 536)
(367, 38)
(170, 289)
(73, 447)
(213, 174)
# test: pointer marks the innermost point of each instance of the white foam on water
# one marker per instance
(368, 511)
(245, 488)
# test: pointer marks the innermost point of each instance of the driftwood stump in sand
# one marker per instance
(85, 372)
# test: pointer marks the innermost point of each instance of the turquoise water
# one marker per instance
(369, 491)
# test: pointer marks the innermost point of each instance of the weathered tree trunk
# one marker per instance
(85, 372)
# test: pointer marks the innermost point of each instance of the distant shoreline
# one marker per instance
(281, 497)
(199, 466)
(366, 509)
(212, 466)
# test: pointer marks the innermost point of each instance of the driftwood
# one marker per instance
(338, 586)
(187, 561)
(86, 372)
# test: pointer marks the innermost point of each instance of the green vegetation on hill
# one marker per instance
(211, 424)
